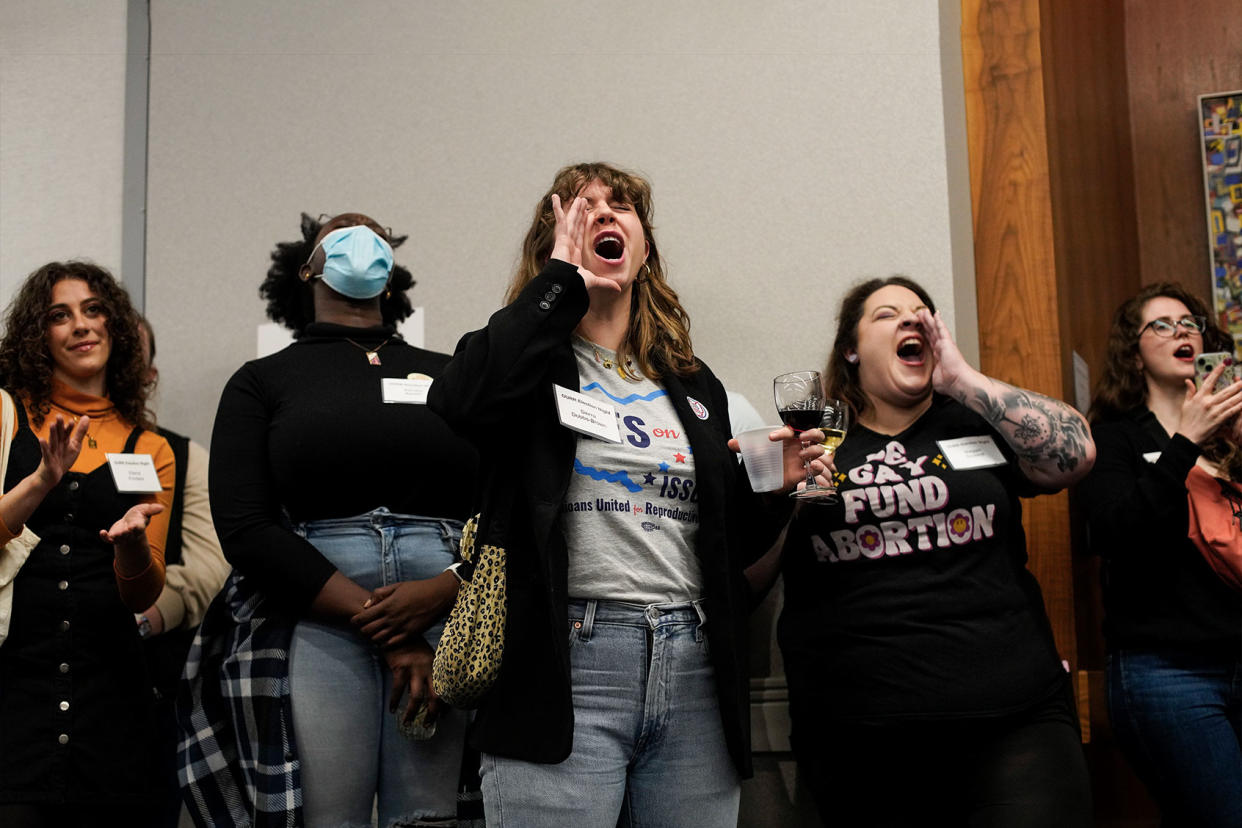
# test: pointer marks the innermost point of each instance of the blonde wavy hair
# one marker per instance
(658, 339)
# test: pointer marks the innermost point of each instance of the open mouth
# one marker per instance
(609, 246)
(910, 350)
(1185, 352)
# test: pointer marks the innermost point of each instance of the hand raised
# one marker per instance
(60, 449)
(951, 367)
(132, 527)
(570, 238)
(1205, 409)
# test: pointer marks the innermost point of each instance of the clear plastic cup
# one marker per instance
(764, 460)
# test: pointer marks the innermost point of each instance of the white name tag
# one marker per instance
(587, 416)
(1151, 456)
(134, 473)
(409, 391)
(964, 453)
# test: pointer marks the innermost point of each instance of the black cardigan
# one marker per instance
(497, 390)
(1159, 593)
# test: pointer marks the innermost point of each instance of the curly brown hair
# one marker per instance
(659, 333)
(289, 298)
(26, 364)
(841, 375)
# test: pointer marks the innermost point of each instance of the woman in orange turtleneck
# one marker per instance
(74, 700)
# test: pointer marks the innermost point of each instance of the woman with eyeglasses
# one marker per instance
(1173, 627)
(339, 499)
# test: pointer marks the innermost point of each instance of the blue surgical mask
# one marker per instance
(357, 262)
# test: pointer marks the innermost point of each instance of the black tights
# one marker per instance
(1021, 772)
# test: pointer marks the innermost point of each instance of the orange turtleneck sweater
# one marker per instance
(110, 432)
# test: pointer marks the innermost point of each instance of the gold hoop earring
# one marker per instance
(647, 268)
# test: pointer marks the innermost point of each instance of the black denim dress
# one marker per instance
(75, 702)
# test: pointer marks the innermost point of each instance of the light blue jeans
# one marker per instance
(351, 752)
(649, 747)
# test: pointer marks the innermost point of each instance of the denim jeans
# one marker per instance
(351, 752)
(1178, 719)
(649, 747)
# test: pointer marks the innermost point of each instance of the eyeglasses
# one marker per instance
(324, 218)
(1167, 327)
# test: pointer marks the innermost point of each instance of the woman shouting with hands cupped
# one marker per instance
(916, 643)
(626, 521)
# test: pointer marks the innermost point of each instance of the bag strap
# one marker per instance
(131, 442)
(8, 412)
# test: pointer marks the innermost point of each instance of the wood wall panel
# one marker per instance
(1176, 51)
(1103, 142)
(1020, 326)
(1092, 175)
(1092, 167)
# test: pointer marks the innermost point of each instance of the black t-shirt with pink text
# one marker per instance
(909, 598)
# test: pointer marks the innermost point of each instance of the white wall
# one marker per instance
(793, 148)
(62, 102)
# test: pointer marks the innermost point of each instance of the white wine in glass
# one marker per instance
(834, 423)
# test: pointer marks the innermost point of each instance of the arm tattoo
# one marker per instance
(1041, 431)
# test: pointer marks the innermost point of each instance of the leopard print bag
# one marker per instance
(467, 660)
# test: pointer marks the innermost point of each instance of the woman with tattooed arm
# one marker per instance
(924, 684)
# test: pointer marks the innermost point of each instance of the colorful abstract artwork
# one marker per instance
(1221, 126)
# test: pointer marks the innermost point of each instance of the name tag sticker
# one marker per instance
(1151, 456)
(134, 473)
(408, 391)
(587, 416)
(965, 453)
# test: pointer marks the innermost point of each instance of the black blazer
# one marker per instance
(497, 392)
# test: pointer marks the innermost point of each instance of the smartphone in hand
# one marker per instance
(1204, 363)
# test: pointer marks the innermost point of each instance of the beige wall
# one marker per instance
(62, 101)
(793, 147)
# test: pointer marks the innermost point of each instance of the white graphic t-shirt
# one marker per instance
(631, 511)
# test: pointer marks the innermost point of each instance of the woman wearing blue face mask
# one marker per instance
(338, 497)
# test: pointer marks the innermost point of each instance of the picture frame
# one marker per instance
(1220, 132)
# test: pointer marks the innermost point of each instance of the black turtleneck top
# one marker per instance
(304, 434)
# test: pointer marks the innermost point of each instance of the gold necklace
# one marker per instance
(90, 441)
(625, 372)
(372, 353)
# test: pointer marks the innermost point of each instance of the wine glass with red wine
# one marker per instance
(800, 402)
